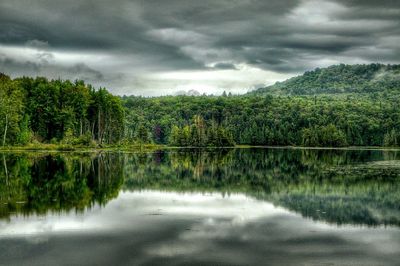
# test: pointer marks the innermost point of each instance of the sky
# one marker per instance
(152, 48)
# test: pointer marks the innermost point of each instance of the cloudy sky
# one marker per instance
(148, 47)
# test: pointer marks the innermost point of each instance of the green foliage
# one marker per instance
(325, 136)
(198, 134)
(84, 140)
(25, 134)
(143, 135)
(337, 79)
(56, 110)
(106, 115)
(391, 139)
(11, 110)
(271, 120)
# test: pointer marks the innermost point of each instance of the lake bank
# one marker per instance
(153, 147)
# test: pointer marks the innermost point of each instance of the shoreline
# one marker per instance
(153, 147)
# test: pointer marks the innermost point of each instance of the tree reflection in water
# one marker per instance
(358, 187)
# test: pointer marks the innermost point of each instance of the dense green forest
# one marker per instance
(271, 121)
(39, 110)
(343, 105)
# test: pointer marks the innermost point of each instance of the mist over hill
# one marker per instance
(338, 79)
(187, 93)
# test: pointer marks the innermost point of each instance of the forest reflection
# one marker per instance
(359, 187)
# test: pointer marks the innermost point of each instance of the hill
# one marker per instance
(337, 79)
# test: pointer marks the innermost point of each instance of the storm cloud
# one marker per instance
(160, 47)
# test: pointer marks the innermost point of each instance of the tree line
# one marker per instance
(37, 110)
(326, 120)
(53, 111)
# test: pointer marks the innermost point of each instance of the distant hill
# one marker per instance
(187, 93)
(339, 79)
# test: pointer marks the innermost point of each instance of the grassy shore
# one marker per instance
(152, 147)
(93, 148)
(320, 148)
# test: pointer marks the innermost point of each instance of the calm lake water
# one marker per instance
(193, 207)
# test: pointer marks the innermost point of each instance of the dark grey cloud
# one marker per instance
(139, 39)
(224, 66)
(41, 67)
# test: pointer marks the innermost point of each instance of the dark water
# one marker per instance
(192, 207)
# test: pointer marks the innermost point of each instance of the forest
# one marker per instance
(38, 110)
(338, 106)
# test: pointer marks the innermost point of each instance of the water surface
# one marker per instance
(196, 207)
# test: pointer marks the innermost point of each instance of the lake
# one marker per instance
(201, 207)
